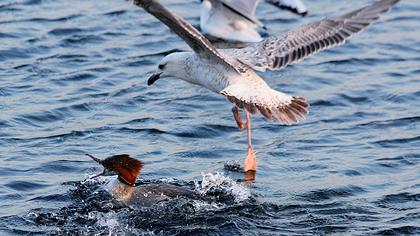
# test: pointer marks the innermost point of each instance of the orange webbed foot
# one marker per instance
(250, 161)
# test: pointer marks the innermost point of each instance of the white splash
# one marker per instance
(108, 220)
(100, 179)
(203, 205)
(169, 180)
(218, 180)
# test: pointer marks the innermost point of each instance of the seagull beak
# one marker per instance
(154, 77)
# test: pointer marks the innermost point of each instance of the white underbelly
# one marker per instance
(214, 77)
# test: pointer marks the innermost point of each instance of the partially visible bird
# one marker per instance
(235, 20)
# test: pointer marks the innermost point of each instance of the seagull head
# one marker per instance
(170, 66)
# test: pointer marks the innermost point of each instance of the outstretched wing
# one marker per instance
(185, 30)
(277, 52)
(295, 6)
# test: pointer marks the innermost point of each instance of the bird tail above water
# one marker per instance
(270, 103)
(125, 166)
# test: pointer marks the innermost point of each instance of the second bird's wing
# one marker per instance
(295, 6)
(244, 8)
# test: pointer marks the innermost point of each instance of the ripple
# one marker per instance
(50, 198)
(400, 198)
(329, 194)
(14, 53)
(199, 132)
(42, 117)
(388, 143)
(65, 31)
(115, 13)
(403, 160)
(327, 103)
(25, 186)
(400, 230)
(354, 100)
(7, 35)
(148, 131)
(58, 137)
(77, 77)
(60, 166)
(392, 123)
(76, 40)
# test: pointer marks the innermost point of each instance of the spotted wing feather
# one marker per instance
(275, 52)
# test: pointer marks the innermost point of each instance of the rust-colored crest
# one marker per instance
(125, 166)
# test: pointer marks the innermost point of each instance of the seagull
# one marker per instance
(234, 20)
(232, 72)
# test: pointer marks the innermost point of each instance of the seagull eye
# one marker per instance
(161, 66)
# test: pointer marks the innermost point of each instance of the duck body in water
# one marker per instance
(125, 190)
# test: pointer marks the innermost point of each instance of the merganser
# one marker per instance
(124, 187)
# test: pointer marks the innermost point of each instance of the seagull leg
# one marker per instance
(238, 118)
(250, 161)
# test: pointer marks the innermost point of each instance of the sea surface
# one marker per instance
(73, 81)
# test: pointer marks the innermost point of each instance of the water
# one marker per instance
(73, 81)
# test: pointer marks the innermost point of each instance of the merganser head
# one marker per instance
(171, 65)
(125, 166)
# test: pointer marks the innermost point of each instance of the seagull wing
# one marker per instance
(275, 53)
(200, 44)
(295, 6)
(247, 7)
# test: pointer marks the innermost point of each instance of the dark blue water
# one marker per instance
(73, 81)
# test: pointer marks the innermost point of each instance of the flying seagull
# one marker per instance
(234, 20)
(231, 72)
